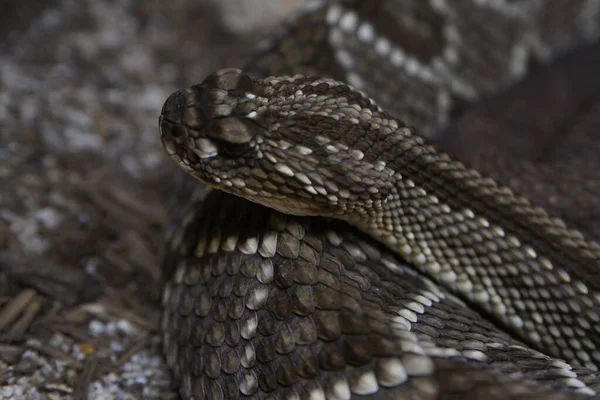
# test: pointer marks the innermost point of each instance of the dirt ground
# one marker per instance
(84, 184)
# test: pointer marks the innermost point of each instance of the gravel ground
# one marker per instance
(84, 183)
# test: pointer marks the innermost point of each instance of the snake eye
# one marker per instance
(232, 136)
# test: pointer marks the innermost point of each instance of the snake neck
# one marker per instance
(493, 248)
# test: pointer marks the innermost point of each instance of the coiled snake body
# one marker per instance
(368, 262)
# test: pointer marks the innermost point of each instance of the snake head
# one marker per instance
(301, 145)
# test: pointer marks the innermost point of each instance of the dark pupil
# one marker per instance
(228, 149)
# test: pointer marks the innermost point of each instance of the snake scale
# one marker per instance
(344, 256)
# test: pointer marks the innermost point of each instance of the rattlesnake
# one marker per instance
(452, 285)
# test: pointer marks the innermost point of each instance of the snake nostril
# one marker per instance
(173, 133)
(179, 133)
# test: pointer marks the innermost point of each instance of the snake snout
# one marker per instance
(190, 107)
(184, 116)
(171, 104)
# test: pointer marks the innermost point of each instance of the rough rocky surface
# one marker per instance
(84, 185)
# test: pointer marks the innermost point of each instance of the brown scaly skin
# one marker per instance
(310, 146)
(261, 304)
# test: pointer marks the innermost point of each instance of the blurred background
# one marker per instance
(84, 181)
